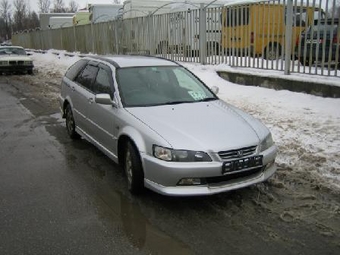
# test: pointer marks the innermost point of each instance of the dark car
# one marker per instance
(320, 43)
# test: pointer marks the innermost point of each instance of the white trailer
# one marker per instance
(104, 12)
(177, 31)
(44, 18)
(140, 8)
(60, 22)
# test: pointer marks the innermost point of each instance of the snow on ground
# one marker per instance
(305, 127)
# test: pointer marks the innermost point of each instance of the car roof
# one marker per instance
(11, 47)
(121, 61)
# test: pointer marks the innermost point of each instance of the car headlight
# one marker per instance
(179, 155)
(266, 143)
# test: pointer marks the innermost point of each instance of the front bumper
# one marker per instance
(16, 68)
(321, 54)
(61, 101)
(163, 177)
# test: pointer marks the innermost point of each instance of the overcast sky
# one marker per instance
(83, 3)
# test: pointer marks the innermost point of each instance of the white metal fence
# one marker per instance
(283, 35)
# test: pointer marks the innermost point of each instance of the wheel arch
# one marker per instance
(270, 44)
(129, 134)
(65, 104)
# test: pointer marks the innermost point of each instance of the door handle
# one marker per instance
(73, 88)
(91, 101)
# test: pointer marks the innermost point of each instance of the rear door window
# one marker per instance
(74, 70)
(103, 82)
(88, 76)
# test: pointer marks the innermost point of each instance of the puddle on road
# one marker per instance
(142, 235)
(112, 205)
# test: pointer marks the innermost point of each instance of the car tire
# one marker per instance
(271, 50)
(70, 123)
(133, 169)
(30, 72)
(306, 62)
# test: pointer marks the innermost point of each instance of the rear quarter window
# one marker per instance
(75, 69)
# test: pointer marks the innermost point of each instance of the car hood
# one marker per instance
(14, 57)
(202, 126)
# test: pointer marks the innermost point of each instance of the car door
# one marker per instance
(102, 117)
(83, 95)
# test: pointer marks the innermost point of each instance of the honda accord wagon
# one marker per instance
(167, 129)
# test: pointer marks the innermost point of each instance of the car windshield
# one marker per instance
(161, 85)
(11, 50)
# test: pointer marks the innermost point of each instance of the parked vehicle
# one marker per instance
(6, 43)
(320, 42)
(81, 17)
(167, 129)
(14, 59)
(258, 28)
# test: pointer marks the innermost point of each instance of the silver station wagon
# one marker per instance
(164, 126)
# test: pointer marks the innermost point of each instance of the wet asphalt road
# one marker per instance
(64, 197)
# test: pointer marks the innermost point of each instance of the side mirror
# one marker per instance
(215, 90)
(104, 99)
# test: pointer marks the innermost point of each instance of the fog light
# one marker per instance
(189, 181)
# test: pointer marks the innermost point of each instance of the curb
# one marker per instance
(309, 87)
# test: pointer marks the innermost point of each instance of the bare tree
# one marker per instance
(32, 20)
(73, 7)
(5, 13)
(20, 14)
(337, 9)
(59, 6)
(44, 6)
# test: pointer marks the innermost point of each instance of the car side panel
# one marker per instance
(102, 124)
(81, 99)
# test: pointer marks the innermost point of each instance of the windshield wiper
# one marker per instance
(207, 99)
(177, 102)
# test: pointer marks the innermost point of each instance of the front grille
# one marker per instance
(16, 63)
(239, 153)
(229, 177)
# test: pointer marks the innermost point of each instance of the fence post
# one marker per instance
(92, 35)
(289, 32)
(151, 34)
(74, 37)
(202, 35)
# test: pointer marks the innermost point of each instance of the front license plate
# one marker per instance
(241, 164)
(314, 41)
